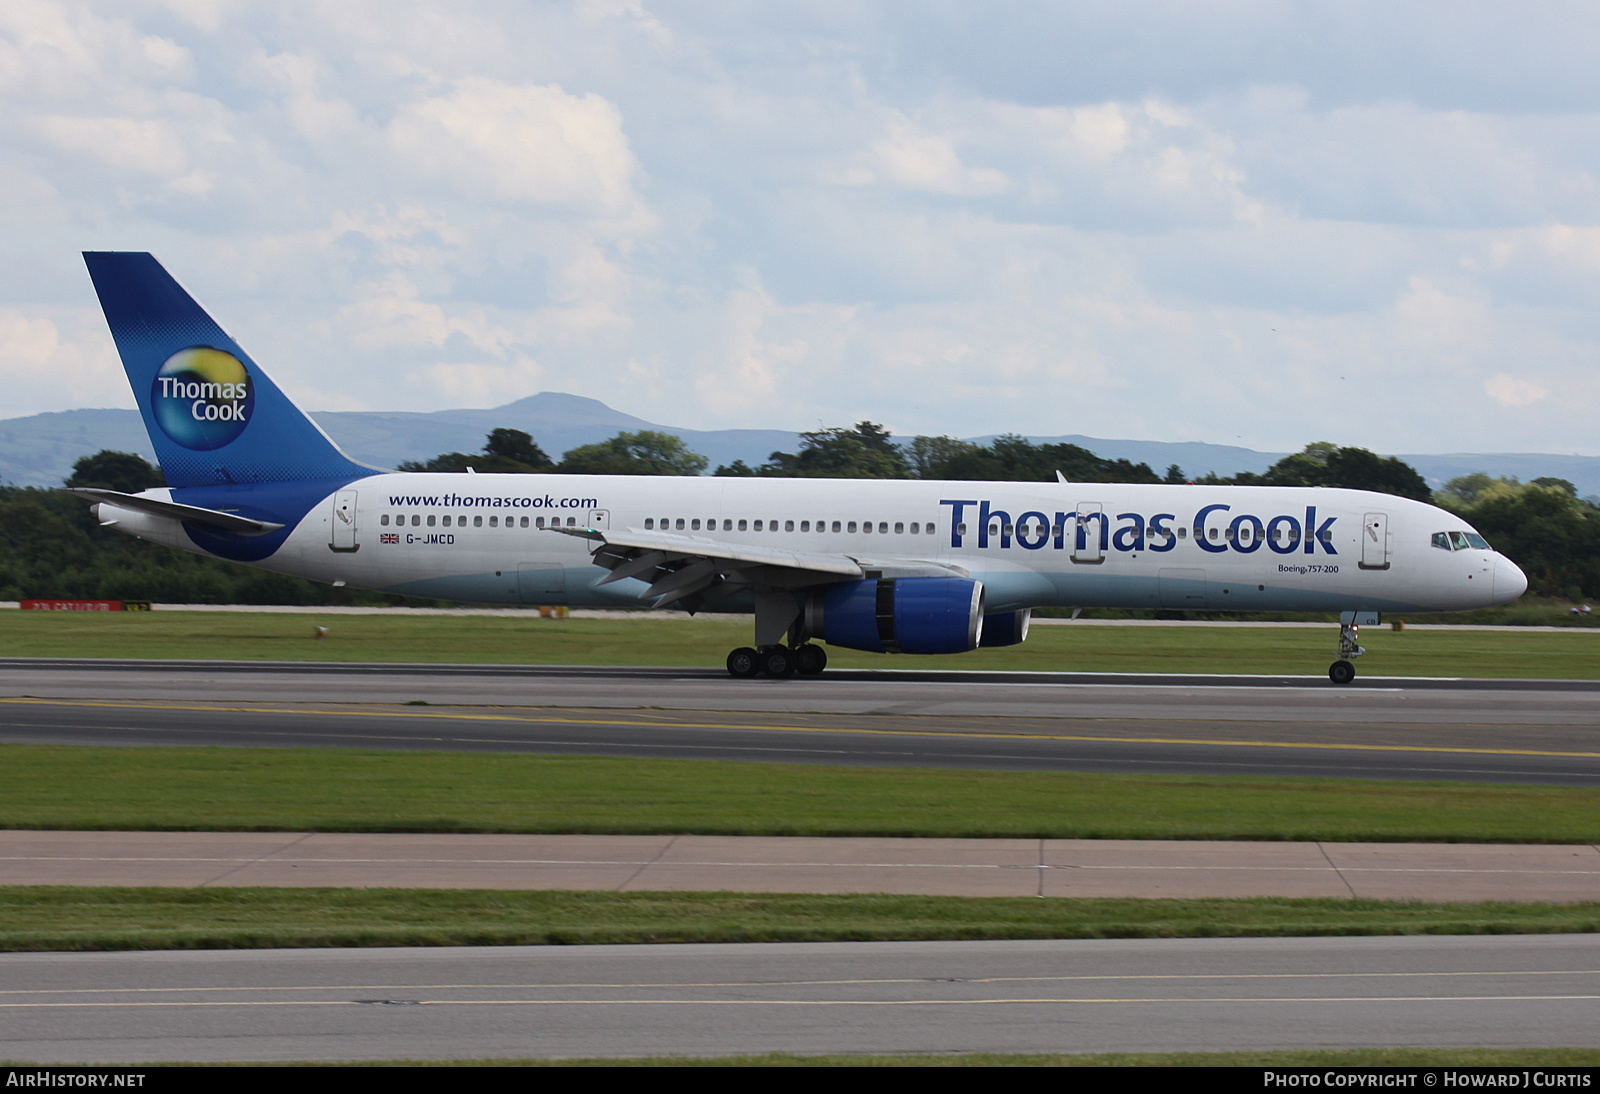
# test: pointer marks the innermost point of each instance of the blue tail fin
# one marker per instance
(212, 414)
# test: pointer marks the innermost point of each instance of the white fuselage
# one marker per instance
(486, 539)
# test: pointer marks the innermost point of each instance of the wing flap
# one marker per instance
(686, 569)
(634, 544)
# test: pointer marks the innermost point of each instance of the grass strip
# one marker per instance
(524, 638)
(351, 790)
(38, 918)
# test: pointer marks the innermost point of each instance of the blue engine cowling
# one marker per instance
(899, 615)
(1006, 628)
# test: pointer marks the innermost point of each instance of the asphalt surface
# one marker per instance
(1162, 995)
(1515, 731)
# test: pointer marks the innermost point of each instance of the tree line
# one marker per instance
(54, 548)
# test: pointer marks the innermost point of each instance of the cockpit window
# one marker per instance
(1460, 541)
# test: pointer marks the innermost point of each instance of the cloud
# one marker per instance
(41, 355)
(1267, 223)
(1513, 390)
(916, 160)
(526, 143)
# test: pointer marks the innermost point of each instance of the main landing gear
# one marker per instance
(1342, 671)
(780, 662)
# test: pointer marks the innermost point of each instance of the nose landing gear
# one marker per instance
(1342, 671)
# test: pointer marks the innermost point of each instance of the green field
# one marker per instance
(350, 790)
(94, 918)
(524, 638)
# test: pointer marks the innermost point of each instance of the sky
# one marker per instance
(1247, 223)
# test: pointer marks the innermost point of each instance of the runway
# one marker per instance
(1148, 995)
(1514, 731)
(1164, 995)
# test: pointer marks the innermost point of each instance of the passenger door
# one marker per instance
(343, 526)
(1089, 538)
(1375, 541)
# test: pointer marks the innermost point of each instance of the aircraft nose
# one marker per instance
(1509, 580)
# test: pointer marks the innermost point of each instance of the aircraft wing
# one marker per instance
(689, 567)
(188, 514)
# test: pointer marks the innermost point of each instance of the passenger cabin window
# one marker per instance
(899, 528)
(744, 525)
(805, 526)
(850, 527)
(788, 526)
(494, 522)
(384, 520)
(836, 526)
(758, 526)
(680, 524)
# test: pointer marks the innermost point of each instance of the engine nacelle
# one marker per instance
(899, 615)
(1006, 628)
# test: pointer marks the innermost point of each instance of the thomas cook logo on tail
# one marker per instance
(202, 397)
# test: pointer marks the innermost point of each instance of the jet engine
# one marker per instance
(1006, 628)
(899, 615)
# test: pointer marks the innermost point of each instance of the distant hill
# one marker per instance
(40, 450)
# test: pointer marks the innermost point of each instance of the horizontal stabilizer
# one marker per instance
(188, 514)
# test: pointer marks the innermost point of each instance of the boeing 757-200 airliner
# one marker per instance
(887, 566)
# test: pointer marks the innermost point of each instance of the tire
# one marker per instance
(1341, 672)
(744, 663)
(778, 662)
(810, 660)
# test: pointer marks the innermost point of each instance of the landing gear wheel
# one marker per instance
(744, 663)
(1341, 672)
(810, 660)
(778, 662)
